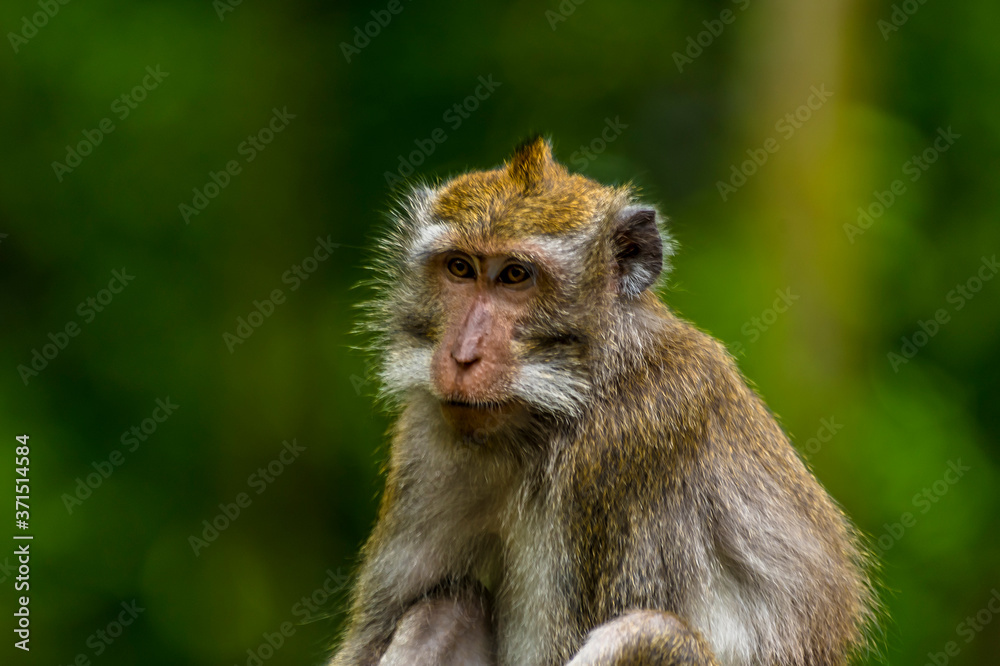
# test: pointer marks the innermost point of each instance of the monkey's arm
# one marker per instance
(445, 630)
(652, 638)
(414, 601)
(403, 615)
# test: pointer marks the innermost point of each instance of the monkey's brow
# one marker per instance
(528, 257)
(541, 259)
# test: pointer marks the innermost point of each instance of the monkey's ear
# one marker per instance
(638, 250)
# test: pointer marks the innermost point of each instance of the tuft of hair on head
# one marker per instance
(532, 165)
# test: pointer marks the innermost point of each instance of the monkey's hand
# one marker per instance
(443, 631)
(651, 638)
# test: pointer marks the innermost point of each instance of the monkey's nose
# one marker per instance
(465, 361)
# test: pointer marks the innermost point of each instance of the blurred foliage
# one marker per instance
(876, 432)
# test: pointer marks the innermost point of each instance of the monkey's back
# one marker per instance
(684, 494)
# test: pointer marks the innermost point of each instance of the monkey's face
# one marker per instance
(484, 299)
(502, 289)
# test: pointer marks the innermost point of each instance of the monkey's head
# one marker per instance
(496, 285)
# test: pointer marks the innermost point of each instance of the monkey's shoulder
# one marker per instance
(679, 409)
(675, 381)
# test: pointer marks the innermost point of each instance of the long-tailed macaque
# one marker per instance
(577, 476)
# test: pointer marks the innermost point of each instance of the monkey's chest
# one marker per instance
(526, 577)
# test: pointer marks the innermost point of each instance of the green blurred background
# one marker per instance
(812, 297)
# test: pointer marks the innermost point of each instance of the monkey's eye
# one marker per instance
(460, 268)
(514, 274)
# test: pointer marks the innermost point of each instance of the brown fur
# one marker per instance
(531, 194)
(645, 508)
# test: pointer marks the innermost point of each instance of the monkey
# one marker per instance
(577, 475)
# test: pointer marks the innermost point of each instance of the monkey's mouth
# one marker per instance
(486, 405)
(478, 417)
